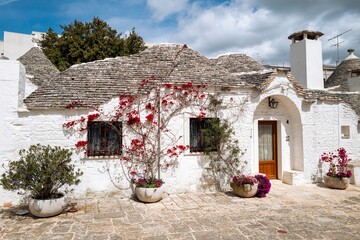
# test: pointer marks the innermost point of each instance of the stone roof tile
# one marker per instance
(38, 66)
(95, 83)
(237, 63)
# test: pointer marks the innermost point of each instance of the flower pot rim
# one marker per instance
(53, 196)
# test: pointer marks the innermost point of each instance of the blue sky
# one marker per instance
(258, 28)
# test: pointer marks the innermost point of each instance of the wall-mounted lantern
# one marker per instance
(273, 103)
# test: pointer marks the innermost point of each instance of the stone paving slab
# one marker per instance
(288, 212)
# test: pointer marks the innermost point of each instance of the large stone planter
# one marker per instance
(245, 190)
(47, 208)
(337, 183)
(149, 195)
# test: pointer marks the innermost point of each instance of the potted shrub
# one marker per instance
(338, 176)
(41, 171)
(148, 190)
(244, 185)
(249, 186)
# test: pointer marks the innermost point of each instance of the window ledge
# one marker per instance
(115, 157)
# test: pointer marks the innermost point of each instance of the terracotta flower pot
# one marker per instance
(48, 207)
(149, 195)
(337, 183)
(245, 190)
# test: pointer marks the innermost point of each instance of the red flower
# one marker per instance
(201, 116)
(187, 85)
(150, 117)
(158, 183)
(164, 102)
(92, 117)
(133, 120)
(81, 144)
(136, 143)
(133, 173)
(149, 106)
(69, 124)
(182, 147)
(168, 85)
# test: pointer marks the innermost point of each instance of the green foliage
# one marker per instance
(226, 161)
(41, 171)
(88, 41)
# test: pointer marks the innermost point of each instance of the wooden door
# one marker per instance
(267, 148)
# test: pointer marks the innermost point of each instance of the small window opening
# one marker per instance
(345, 132)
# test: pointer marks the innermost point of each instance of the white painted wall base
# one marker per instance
(293, 177)
(354, 166)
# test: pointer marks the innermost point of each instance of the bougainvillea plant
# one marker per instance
(338, 161)
(149, 147)
(263, 186)
(244, 179)
(263, 182)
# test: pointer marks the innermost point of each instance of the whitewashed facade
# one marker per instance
(307, 124)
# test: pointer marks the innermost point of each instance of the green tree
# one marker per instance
(88, 41)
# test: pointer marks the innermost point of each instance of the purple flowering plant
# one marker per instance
(142, 182)
(338, 161)
(263, 182)
(244, 179)
(263, 186)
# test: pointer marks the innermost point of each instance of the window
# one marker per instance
(104, 138)
(200, 137)
(345, 132)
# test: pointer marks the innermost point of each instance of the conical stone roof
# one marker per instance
(339, 78)
(238, 63)
(38, 66)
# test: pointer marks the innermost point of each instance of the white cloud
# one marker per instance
(229, 28)
(261, 27)
(163, 8)
(258, 28)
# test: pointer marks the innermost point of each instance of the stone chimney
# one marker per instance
(351, 54)
(306, 59)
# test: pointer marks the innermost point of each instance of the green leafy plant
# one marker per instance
(41, 171)
(226, 161)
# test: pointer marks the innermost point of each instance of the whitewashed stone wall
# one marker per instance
(312, 129)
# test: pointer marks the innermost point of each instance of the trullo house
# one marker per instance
(284, 120)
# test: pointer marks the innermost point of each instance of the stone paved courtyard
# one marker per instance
(288, 212)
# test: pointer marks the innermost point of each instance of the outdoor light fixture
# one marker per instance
(273, 103)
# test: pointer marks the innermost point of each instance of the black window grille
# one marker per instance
(104, 138)
(200, 137)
